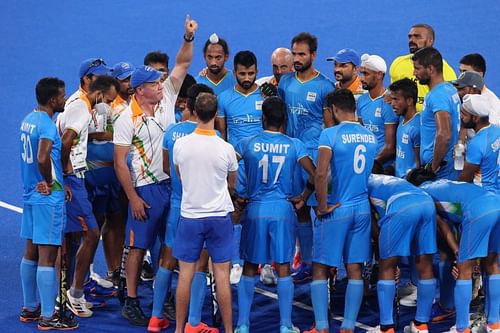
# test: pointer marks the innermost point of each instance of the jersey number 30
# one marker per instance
(359, 159)
(27, 153)
(264, 163)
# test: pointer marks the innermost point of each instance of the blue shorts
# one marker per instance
(409, 227)
(174, 214)
(104, 190)
(268, 232)
(448, 172)
(79, 209)
(476, 228)
(44, 223)
(143, 234)
(494, 243)
(343, 234)
(216, 231)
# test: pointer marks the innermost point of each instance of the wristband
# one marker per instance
(189, 40)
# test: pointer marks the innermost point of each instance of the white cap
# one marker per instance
(477, 105)
(373, 62)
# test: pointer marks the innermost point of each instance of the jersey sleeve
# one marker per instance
(123, 131)
(415, 136)
(324, 139)
(390, 117)
(439, 102)
(301, 149)
(240, 147)
(232, 161)
(48, 130)
(474, 154)
(76, 117)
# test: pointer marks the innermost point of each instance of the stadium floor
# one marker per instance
(41, 38)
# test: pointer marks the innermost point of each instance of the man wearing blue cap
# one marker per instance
(346, 68)
(138, 134)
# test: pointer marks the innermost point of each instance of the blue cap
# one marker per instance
(122, 70)
(94, 66)
(346, 55)
(144, 74)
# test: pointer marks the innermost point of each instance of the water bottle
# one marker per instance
(459, 155)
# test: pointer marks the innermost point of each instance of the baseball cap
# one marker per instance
(373, 62)
(477, 105)
(122, 70)
(144, 74)
(94, 66)
(469, 79)
(345, 56)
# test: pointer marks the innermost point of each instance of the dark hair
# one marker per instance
(343, 99)
(156, 57)
(429, 56)
(305, 37)
(47, 88)
(194, 91)
(245, 59)
(222, 42)
(205, 107)
(186, 84)
(425, 26)
(407, 87)
(274, 110)
(104, 84)
(476, 61)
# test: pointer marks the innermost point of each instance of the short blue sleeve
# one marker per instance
(390, 117)
(474, 154)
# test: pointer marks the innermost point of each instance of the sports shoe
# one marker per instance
(412, 328)
(54, 323)
(242, 329)
(100, 280)
(345, 330)
(408, 295)
(267, 276)
(377, 329)
(157, 324)
(453, 329)
(478, 322)
(484, 328)
(169, 308)
(314, 330)
(27, 315)
(438, 313)
(133, 313)
(293, 329)
(148, 272)
(235, 275)
(303, 274)
(92, 287)
(89, 305)
(201, 328)
(78, 306)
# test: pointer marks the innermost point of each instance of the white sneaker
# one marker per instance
(99, 279)
(408, 295)
(235, 275)
(414, 329)
(376, 329)
(78, 306)
(453, 329)
(267, 276)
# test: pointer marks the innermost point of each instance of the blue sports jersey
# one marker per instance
(375, 114)
(270, 160)
(227, 82)
(483, 150)
(407, 139)
(173, 133)
(304, 102)
(243, 113)
(455, 198)
(384, 189)
(353, 151)
(442, 97)
(38, 125)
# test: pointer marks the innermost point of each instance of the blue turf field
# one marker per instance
(51, 38)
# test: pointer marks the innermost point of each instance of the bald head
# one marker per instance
(282, 61)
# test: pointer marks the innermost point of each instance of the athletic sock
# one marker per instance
(76, 293)
(162, 286)
(446, 285)
(353, 297)
(426, 291)
(494, 298)
(305, 235)
(28, 270)
(235, 259)
(47, 286)
(319, 299)
(285, 300)
(463, 297)
(198, 292)
(245, 299)
(386, 289)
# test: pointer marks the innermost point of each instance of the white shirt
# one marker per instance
(495, 106)
(144, 136)
(204, 161)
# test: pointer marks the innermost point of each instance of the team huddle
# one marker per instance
(291, 176)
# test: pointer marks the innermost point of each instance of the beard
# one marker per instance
(214, 69)
(424, 80)
(245, 84)
(59, 109)
(469, 124)
(302, 67)
(413, 48)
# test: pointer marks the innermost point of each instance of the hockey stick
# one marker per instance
(122, 283)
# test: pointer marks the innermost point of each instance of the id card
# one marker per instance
(78, 162)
